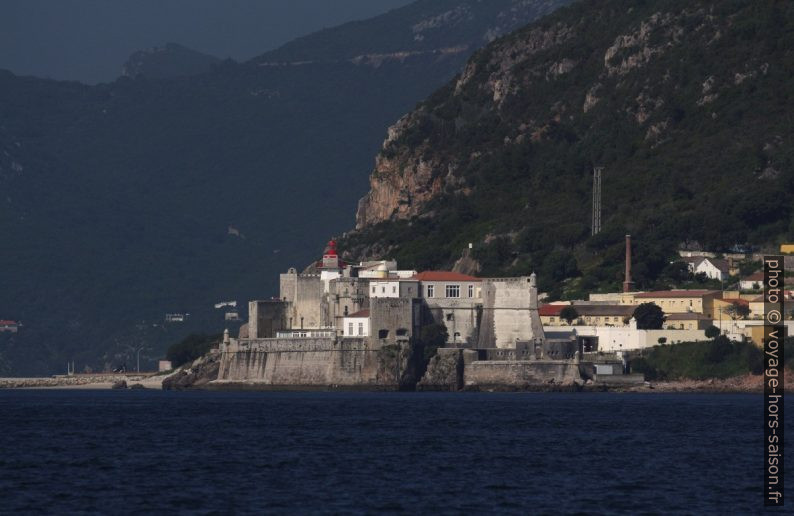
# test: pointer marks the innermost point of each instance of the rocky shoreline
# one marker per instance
(199, 376)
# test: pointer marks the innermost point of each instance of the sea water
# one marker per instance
(143, 452)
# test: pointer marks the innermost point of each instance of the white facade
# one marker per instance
(394, 288)
(613, 338)
(355, 326)
(708, 267)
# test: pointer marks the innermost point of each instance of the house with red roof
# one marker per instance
(7, 326)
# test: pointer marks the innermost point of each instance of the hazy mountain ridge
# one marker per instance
(121, 210)
(422, 27)
(683, 103)
(170, 60)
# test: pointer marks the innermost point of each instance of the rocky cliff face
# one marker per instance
(679, 101)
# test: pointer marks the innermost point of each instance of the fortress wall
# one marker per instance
(519, 374)
(311, 362)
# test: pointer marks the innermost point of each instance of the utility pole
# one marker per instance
(597, 200)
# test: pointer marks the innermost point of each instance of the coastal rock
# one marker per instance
(199, 373)
(444, 372)
(121, 384)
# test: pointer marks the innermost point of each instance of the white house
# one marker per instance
(394, 287)
(713, 268)
(356, 324)
(752, 282)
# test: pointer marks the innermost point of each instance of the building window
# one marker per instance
(431, 290)
(453, 291)
(361, 328)
(471, 290)
(383, 334)
(383, 290)
(350, 328)
(373, 289)
(393, 289)
(551, 319)
(450, 317)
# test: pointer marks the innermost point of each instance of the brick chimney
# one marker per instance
(628, 285)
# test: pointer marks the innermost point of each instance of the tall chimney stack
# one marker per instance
(628, 285)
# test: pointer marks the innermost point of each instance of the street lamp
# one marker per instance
(137, 350)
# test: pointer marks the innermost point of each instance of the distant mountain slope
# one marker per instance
(170, 60)
(420, 27)
(686, 104)
(125, 201)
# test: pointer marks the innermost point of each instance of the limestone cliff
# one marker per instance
(665, 95)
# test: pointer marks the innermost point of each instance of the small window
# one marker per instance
(402, 332)
(453, 291)
(361, 328)
(393, 289)
(450, 317)
(431, 290)
(471, 290)
(383, 334)
(350, 328)
(383, 290)
(373, 289)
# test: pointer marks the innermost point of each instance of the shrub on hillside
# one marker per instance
(190, 348)
(718, 358)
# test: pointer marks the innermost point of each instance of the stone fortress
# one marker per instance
(343, 325)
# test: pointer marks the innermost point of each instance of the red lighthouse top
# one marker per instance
(330, 249)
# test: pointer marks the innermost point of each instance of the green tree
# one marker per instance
(738, 311)
(190, 348)
(433, 336)
(569, 314)
(649, 316)
(712, 332)
(662, 340)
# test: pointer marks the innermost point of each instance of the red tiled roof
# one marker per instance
(360, 313)
(550, 310)
(444, 276)
(676, 293)
(5, 323)
(756, 276)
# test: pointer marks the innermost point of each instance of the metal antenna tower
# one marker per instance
(597, 200)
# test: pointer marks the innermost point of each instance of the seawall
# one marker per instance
(520, 374)
(317, 363)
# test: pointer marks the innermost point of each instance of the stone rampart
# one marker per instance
(521, 374)
(318, 363)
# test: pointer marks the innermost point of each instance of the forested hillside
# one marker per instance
(687, 105)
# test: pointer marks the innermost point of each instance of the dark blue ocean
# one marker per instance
(141, 452)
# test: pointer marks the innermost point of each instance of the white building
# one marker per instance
(394, 287)
(356, 324)
(713, 268)
(752, 282)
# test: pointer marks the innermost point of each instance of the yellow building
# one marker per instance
(687, 321)
(677, 301)
(722, 308)
(589, 314)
